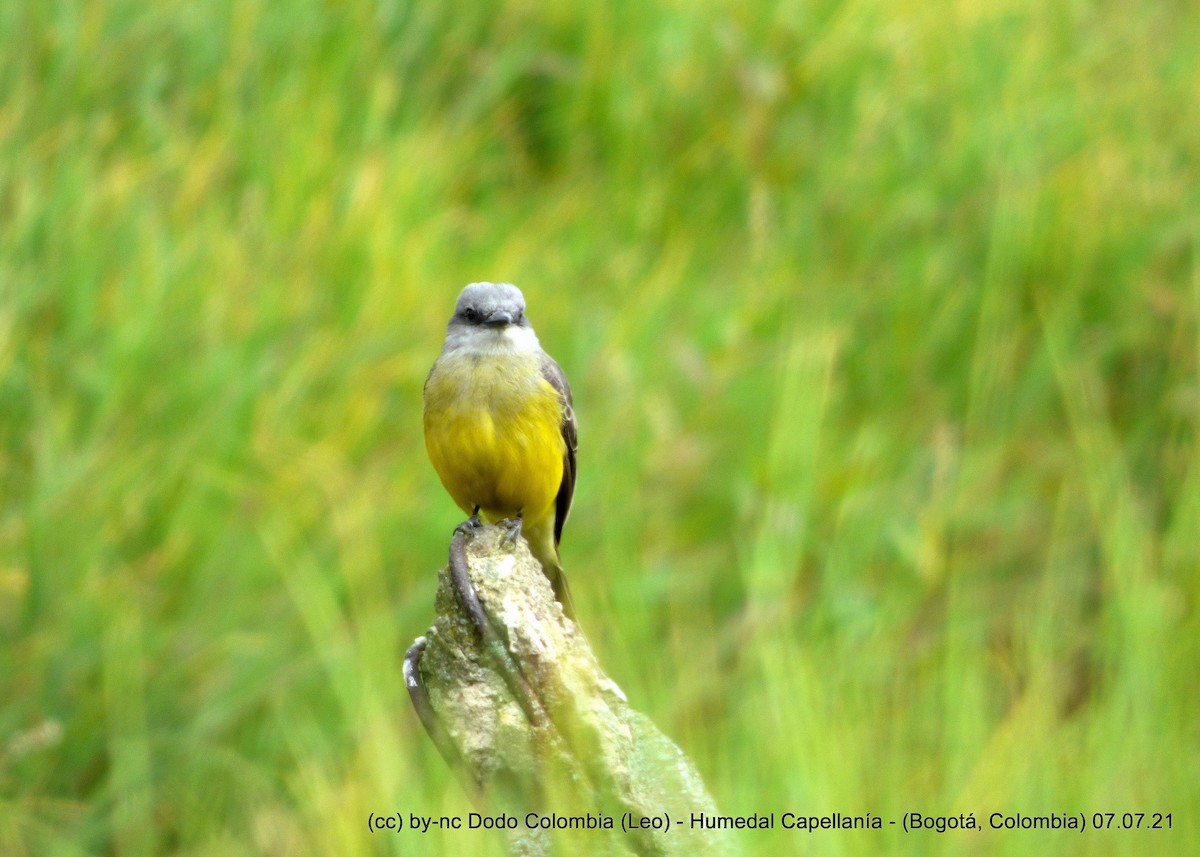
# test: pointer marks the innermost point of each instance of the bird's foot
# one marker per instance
(512, 529)
(470, 525)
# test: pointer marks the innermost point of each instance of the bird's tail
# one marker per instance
(542, 546)
(562, 592)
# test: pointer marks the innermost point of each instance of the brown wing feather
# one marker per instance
(553, 373)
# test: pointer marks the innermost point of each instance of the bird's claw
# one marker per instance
(512, 529)
(470, 525)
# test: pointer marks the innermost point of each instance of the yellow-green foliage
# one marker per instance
(882, 319)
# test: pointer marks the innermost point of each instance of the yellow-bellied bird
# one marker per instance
(499, 426)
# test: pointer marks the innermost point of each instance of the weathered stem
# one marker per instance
(512, 695)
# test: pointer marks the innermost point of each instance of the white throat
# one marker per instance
(509, 340)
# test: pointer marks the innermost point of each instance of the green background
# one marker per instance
(883, 321)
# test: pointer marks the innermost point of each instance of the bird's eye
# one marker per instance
(469, 314)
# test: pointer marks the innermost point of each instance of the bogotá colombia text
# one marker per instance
(911, 821)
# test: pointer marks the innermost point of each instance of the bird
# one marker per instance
(500, 425)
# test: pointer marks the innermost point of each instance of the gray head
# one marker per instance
(491, 305)
(490, 317)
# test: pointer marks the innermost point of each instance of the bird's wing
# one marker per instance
(553, 374)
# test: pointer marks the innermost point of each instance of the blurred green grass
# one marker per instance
(882, 321)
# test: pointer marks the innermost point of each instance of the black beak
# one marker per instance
(498, 319)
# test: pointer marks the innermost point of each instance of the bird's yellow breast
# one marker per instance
(493, 432)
